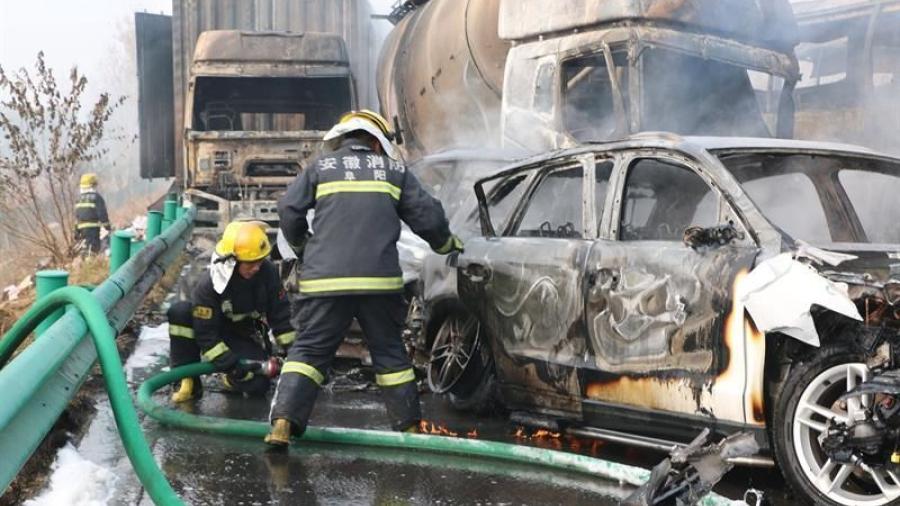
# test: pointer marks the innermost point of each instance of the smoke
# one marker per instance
(849, 92)
(119, 172)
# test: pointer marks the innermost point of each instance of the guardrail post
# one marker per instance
(136, 246)
(154, 225)
(46, 282)
(170, 210)
(119, 249)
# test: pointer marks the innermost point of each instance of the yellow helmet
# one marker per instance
(88, 180)
(244, 240)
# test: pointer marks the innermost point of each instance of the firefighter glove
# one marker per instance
(456, 245)
(453, 245)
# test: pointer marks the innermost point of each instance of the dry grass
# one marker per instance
(90, 271)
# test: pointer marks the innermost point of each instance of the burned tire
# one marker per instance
(460, 364)
(808, 399)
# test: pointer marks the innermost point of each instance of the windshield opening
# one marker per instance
(452, 183)
(692, 95)
(822, 198)
(679, 92)
(269, 103)
(589, 104)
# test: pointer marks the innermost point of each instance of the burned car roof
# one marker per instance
(695, 144)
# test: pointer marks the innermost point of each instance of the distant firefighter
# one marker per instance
(90, 214)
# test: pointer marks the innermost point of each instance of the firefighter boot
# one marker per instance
(280, 434)
(188, 389)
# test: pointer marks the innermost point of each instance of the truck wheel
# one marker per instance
(460, 363)
(809, 398)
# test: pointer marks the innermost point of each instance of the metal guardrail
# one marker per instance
(38, 384)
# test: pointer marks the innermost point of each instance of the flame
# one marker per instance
(427, 427)
(536, 435)
(548, 439)
(574, 443)
(734, 330)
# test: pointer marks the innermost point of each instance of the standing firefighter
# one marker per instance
(233, 306)
(90, 214)
(360, 193)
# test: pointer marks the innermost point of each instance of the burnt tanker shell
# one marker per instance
(441, 73)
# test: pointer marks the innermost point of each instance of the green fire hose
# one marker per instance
(155, 482)
(383, 439)
(552, 459)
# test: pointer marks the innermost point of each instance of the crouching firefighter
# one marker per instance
(231, 311)
(360, 192)
(90, 214)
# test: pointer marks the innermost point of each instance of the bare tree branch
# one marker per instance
(46, 135)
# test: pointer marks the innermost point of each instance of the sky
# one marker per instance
(69, 32)
(76, 31)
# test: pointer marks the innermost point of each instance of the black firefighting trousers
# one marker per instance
(321, 324)
(183, 349)
(91, 237)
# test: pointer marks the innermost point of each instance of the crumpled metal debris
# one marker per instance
(820, 256)
(780, 292)
(12, 292)
(690, 472)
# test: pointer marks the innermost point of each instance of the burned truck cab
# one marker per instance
(258, 105)
(601, 70)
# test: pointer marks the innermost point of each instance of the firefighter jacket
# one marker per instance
(90, 211)
(245, 309)
(359, 198)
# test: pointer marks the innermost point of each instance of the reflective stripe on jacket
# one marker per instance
(90, 210)
(235, 311)
(360, 198)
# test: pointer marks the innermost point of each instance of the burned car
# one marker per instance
(646, 289)
(430, 282)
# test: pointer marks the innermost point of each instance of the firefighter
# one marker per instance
(360, 192)
(232, 308)
(90, 214)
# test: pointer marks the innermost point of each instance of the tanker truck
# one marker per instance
(539, 75)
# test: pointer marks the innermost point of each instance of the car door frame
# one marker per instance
(738, 365)
(532, 381)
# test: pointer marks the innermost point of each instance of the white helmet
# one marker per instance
(370, 122)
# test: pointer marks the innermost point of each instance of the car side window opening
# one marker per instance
(502, 196)
(662, 199)
(602, 171)
(555, 207)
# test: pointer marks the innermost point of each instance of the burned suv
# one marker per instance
(644, 289)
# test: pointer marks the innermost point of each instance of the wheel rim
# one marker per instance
(454, 345)
(841, 483)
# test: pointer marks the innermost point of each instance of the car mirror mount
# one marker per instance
(711, 237)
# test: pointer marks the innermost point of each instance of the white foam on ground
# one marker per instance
(76, 481)
(152, 343)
